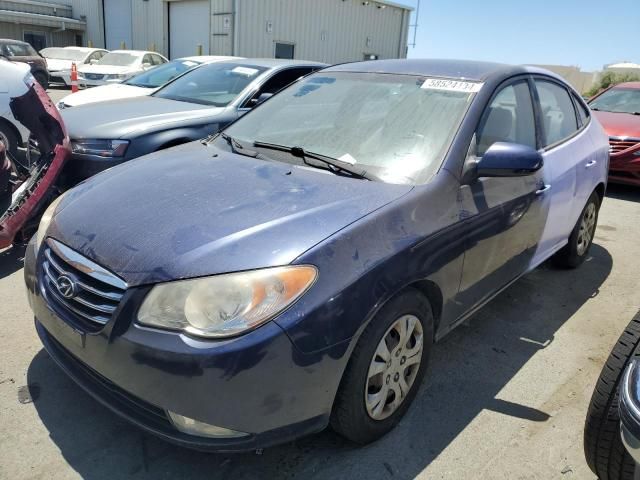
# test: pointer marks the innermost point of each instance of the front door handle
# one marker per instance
(543, 189)
(590, 164)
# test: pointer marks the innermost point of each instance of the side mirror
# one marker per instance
(262, 98)
(93, 61)
(504, 159)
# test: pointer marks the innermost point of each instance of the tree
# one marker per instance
(607, 79)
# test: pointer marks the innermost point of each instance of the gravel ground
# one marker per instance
(506, 396)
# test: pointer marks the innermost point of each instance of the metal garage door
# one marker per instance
(117, 23)
(189, 26)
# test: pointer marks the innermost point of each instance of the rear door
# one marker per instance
(565, 147)
(504, 216)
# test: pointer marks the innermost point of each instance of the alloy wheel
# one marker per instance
(587, 227)
(394, 367)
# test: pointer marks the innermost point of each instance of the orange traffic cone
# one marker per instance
(74, 78)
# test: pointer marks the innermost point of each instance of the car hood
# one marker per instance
(107, 69)
(125, 118)
(183, 213)
(619, 124)
(105, 92)
(56, 65)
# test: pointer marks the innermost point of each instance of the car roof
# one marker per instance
(208, 58)
(446, 68)
(10, 40)
(81, 49)
(277, 62)
(633, 85)
(134, 52)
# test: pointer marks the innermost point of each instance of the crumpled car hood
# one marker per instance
(128, 117)
(183, 213)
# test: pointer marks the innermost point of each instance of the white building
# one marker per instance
(330, 31)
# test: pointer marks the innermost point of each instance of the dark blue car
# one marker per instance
(295, 270)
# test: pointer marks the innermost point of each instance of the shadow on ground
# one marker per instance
(623, 192)
(11, 260)
(470, 367)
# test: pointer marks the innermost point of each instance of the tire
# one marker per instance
(42, 78)
(603, 448)
(574, 253)
(350, 416)
(8, 138)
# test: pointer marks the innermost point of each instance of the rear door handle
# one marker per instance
(590, 164)
(543, 189)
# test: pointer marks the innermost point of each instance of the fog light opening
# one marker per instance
(194, 427)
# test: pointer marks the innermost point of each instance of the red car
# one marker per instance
(618, 110)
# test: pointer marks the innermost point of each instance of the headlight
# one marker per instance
(46, 220)
(225, 305)
(102, 148)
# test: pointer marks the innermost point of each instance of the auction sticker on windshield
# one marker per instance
(249, 72)
(451, 85)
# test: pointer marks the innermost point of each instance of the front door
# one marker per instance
(504, 216)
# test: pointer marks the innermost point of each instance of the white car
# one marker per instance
(117, 66)
(59, 61)
(142, 84)
(12, 84)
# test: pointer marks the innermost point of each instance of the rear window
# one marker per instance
(18, 50)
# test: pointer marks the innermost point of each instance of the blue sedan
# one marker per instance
(295, 270)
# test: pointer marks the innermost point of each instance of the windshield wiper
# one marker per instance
(237, 147)
(333, 165)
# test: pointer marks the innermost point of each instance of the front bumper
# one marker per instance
(61, 76)
(625, 168)
(629, 408)
(258, 383)
(81, 167)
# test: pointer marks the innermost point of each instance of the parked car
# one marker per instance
(117, 66)
(60, 60)
(618, 110)
(26, 185)
(612, 428)
(22, 52)
(139, 85)
(294, 271)
(13, 134)
(195, 105)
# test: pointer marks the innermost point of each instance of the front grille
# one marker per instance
(620, 144)
(79, 287)
(93, 76)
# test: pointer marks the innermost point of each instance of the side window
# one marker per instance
(509, 118)
(147, 59)
(583, 112)
(94, 56)
(278, 82)
(157, 59)
(558, 114)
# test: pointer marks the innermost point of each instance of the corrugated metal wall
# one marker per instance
(330, 31)
(54, 38)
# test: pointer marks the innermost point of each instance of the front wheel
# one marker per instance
(574, 253)
(385, 369)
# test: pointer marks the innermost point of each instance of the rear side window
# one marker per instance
(18, 50)
(509, 118)
(558, 114)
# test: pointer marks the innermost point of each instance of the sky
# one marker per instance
(586, 33)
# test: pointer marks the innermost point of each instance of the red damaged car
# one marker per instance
(618, 110)
(27, 181)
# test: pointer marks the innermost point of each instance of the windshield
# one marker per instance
(160, 75)
(63, 54)
(118, 59)
(216, 84)
(618, 100)
(397, 128)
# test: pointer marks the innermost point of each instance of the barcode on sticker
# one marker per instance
(249, 72)
(452, 85)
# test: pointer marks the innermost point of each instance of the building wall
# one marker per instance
(331, 31)
(54, 38)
